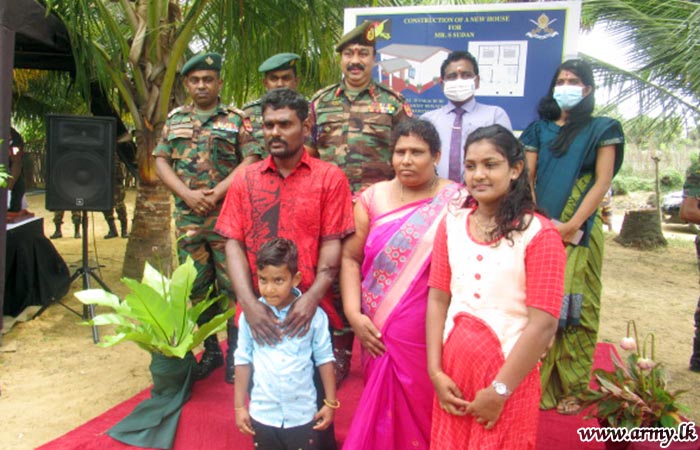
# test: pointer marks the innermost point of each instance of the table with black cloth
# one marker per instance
(35, 274)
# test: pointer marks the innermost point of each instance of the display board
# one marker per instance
(518, 47)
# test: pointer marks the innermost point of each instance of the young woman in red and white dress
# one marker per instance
(496, 286)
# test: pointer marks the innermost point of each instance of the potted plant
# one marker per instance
(157, 316)
(635, 393)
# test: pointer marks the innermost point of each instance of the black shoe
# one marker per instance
(211, 360)
(56, 235)
(112, 229)
(694, 368)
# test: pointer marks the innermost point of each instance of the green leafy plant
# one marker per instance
(4, 176)
(157, 314)
(671, 179)
(634, 394)
(626, 184)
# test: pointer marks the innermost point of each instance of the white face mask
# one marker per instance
(459, 90)
(567, 96)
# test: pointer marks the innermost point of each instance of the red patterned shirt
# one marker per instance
(311, 205)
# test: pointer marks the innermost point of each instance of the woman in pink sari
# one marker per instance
(384, 285)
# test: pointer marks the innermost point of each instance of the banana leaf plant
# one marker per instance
(157, 314)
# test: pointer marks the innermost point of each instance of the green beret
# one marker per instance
(202, 61)
(279, 61)
(362, 34)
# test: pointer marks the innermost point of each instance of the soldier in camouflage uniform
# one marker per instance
(201, 146)
(75, 217)
(351, 124)
(118, 195)
(352, 120)
(278, 71)
(690, 212)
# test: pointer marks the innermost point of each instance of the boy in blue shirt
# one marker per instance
(282, 412)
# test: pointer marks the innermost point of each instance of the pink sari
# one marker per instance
(396, 404)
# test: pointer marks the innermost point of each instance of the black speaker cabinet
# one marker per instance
(79, 162)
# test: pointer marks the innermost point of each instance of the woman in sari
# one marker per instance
(383, 282)
(572, 158)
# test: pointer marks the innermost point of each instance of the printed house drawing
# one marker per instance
(415, 67)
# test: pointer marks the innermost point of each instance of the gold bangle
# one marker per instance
(335, 405)
(238, 408)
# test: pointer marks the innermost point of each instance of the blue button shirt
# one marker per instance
(477, 115)
(283, 392)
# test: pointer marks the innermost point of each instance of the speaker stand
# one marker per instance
(84, 272)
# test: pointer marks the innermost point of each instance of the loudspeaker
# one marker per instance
(80, 162)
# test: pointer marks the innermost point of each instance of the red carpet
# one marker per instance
(207, 421)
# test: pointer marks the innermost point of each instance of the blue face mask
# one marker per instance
(568, 96)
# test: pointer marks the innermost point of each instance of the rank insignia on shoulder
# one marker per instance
(407, 109)
(247, 125)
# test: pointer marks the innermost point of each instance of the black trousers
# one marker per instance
(303, 437)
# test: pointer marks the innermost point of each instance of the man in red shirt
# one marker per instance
(294, 196)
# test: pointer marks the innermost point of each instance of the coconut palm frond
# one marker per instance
(649, 93)
(37, 93)
(247, 33)
(664, 40)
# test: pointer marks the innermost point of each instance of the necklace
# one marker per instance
(485, 230)
(433, 183)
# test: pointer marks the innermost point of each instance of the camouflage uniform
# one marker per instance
(203, 155)
(118, 196)
(75, 216)
(691, 188)
(253, 111)
(353, 131)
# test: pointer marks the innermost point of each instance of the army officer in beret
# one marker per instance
(352, 120)
(201, 146)
(351, 124)
(278, 71)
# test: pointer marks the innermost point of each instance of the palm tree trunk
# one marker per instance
(150, 237)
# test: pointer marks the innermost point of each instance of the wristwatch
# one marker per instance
(501, 389)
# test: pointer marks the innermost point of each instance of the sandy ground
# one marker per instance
(53, 378)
